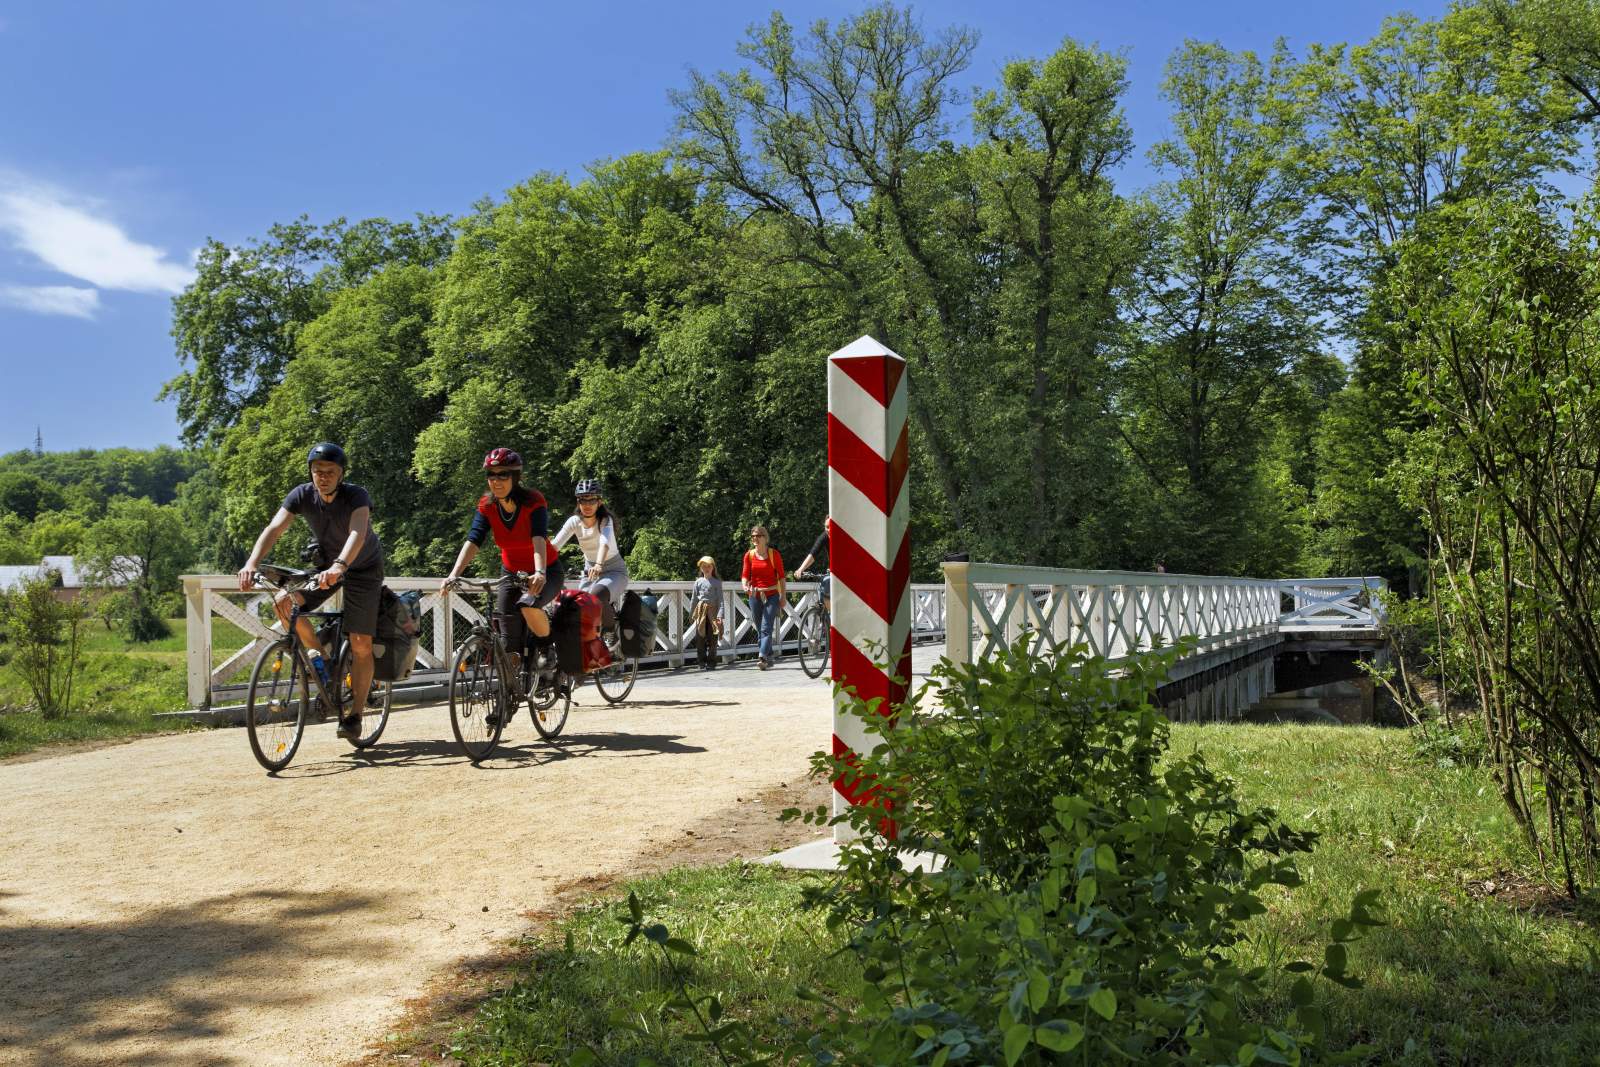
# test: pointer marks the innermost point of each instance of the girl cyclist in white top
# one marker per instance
(605, 574)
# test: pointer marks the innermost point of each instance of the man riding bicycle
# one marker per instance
(825, 586)
(350, 557)
(518, 518)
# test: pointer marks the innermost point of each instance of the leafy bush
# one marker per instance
(1091, 889)
(135, 615)
(44, 636)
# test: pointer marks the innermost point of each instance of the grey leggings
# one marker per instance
(611, 585)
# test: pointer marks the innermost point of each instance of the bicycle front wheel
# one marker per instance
(379, 697)
(549, 711)
(276, 706)
(615, 681)
(814, 642)
(478, 702)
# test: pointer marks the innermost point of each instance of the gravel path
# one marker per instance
(165, 902)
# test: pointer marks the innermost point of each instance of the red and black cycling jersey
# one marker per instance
(515, 534)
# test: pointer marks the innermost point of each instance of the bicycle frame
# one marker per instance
(328, 700)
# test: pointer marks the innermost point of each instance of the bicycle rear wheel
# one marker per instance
(615, 681)
(478, 703)
(814, 642)
(548, 707)
(275, 708)
(379, 698)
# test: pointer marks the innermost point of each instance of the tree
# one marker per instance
(14, 548)
(25, 495)
(1504, 356)
(1222, 307)
(1048, 140)
(823, 139)
(1563, 36)
(141, 547)
(238, 321)
(357, 380)
(1425, 115)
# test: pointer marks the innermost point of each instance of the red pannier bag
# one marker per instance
(575, 624)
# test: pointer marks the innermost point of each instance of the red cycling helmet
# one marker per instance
(503, 458)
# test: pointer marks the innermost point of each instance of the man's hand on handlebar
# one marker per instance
(247, 578)
(448, 584)
(534, 583)
(329, 578)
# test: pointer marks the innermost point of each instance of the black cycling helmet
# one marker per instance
(328, 451)
(589, 487)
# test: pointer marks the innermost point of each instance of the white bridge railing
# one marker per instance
(980, 606)
(1120, 613)
(219, 671)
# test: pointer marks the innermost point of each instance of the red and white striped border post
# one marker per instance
(869, 541)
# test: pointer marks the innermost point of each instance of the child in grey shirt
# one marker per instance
(707, 618)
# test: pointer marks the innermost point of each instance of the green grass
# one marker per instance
(118, 689)
(1458, 975)
(756, 946)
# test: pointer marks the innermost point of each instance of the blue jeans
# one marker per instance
(764, 612)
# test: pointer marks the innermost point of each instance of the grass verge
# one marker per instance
(118, 689)
(1479, 963)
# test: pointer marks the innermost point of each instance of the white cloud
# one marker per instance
(73, 236)
(52, 299)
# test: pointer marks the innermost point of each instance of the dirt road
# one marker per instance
(165, 902)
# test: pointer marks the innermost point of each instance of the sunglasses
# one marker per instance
(758, 537)
(499, 476)
(588, 500)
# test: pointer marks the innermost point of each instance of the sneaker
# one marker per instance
(350, 727)
(763, 664)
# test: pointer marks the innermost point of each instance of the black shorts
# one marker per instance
(509, 596)
(363, 590)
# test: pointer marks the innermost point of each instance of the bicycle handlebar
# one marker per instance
(288, 579)
(487, 585)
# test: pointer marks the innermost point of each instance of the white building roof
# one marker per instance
(13, 575)
(123, 570)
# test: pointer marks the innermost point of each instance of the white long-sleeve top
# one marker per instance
(590, 538)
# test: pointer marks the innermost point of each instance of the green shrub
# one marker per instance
(1092, 890)
(44, 637)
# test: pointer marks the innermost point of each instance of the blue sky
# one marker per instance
(132, 132)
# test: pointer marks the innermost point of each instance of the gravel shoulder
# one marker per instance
(165, 902)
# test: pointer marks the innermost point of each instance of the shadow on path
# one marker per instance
(65, 989)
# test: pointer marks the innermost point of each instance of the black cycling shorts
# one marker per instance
(363, 590)
(509, 596)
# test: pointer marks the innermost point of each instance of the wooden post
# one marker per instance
(197, 640)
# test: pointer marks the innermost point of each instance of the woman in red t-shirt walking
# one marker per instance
(763, 582)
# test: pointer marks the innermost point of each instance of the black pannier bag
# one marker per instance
(638, 621)
(566, 633)
(394, 647)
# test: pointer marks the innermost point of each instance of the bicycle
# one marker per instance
(277, 707)
(815, 630)
(481, 700)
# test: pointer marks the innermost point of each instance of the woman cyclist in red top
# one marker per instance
(519, 520)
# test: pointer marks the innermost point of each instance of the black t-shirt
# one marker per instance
(819, 546)
(330, 522)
